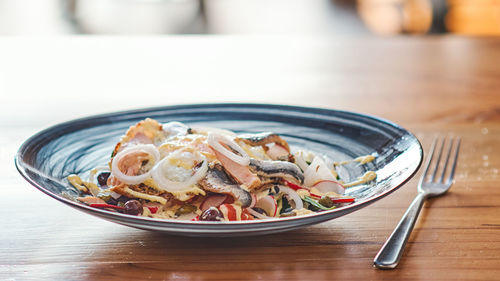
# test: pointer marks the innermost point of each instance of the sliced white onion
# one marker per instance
(115, 195)
(257, 214)
(326, 186)
(147, 148)
(214, 140)
(299, 160)
(293, 195)
(268, 204)
(317, 171)
(163, 182)
(175, 128)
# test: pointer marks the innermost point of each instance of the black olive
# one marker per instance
(276, 189)
(132, 207)
(123, 199)
(285, 205)
(102, 178)
(211, 214)
(259, 210)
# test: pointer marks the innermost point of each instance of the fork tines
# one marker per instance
(453, 142)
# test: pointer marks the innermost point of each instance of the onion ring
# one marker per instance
(172, 186)
(214, 141)
(122, 177)
(293, 195)
(268, 204)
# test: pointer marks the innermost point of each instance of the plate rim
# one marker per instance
(23, 168)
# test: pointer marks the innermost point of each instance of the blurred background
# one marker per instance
(378, 17)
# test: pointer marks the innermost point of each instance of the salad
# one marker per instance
(175, 171)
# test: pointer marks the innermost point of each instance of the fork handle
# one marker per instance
(390, 253)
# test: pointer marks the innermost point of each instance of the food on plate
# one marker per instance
(176, 171)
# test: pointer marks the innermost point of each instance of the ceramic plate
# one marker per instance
(75, 147)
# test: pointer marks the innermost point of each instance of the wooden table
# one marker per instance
(430, 85)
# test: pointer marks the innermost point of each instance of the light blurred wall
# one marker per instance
(42, 17)
(328, 17)
(282, 16)
(135, 16)
(32, 17)
(265, 16)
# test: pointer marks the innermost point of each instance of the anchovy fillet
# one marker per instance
(281, 169)
(218, 181)
(263, 139)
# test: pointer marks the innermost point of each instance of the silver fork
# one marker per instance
(389, 255)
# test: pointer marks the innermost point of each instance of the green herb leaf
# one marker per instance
(316, 204)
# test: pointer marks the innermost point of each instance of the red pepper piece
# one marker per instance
(316, 196)
(153, 210)
(229, 210)
(342, 200)
(245, 216)
(293, 185)
(109, 206)
(335, 199)
(196, 219)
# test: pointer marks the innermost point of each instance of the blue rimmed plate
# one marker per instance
(75, 147)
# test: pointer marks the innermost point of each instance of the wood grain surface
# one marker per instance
(429, 85)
